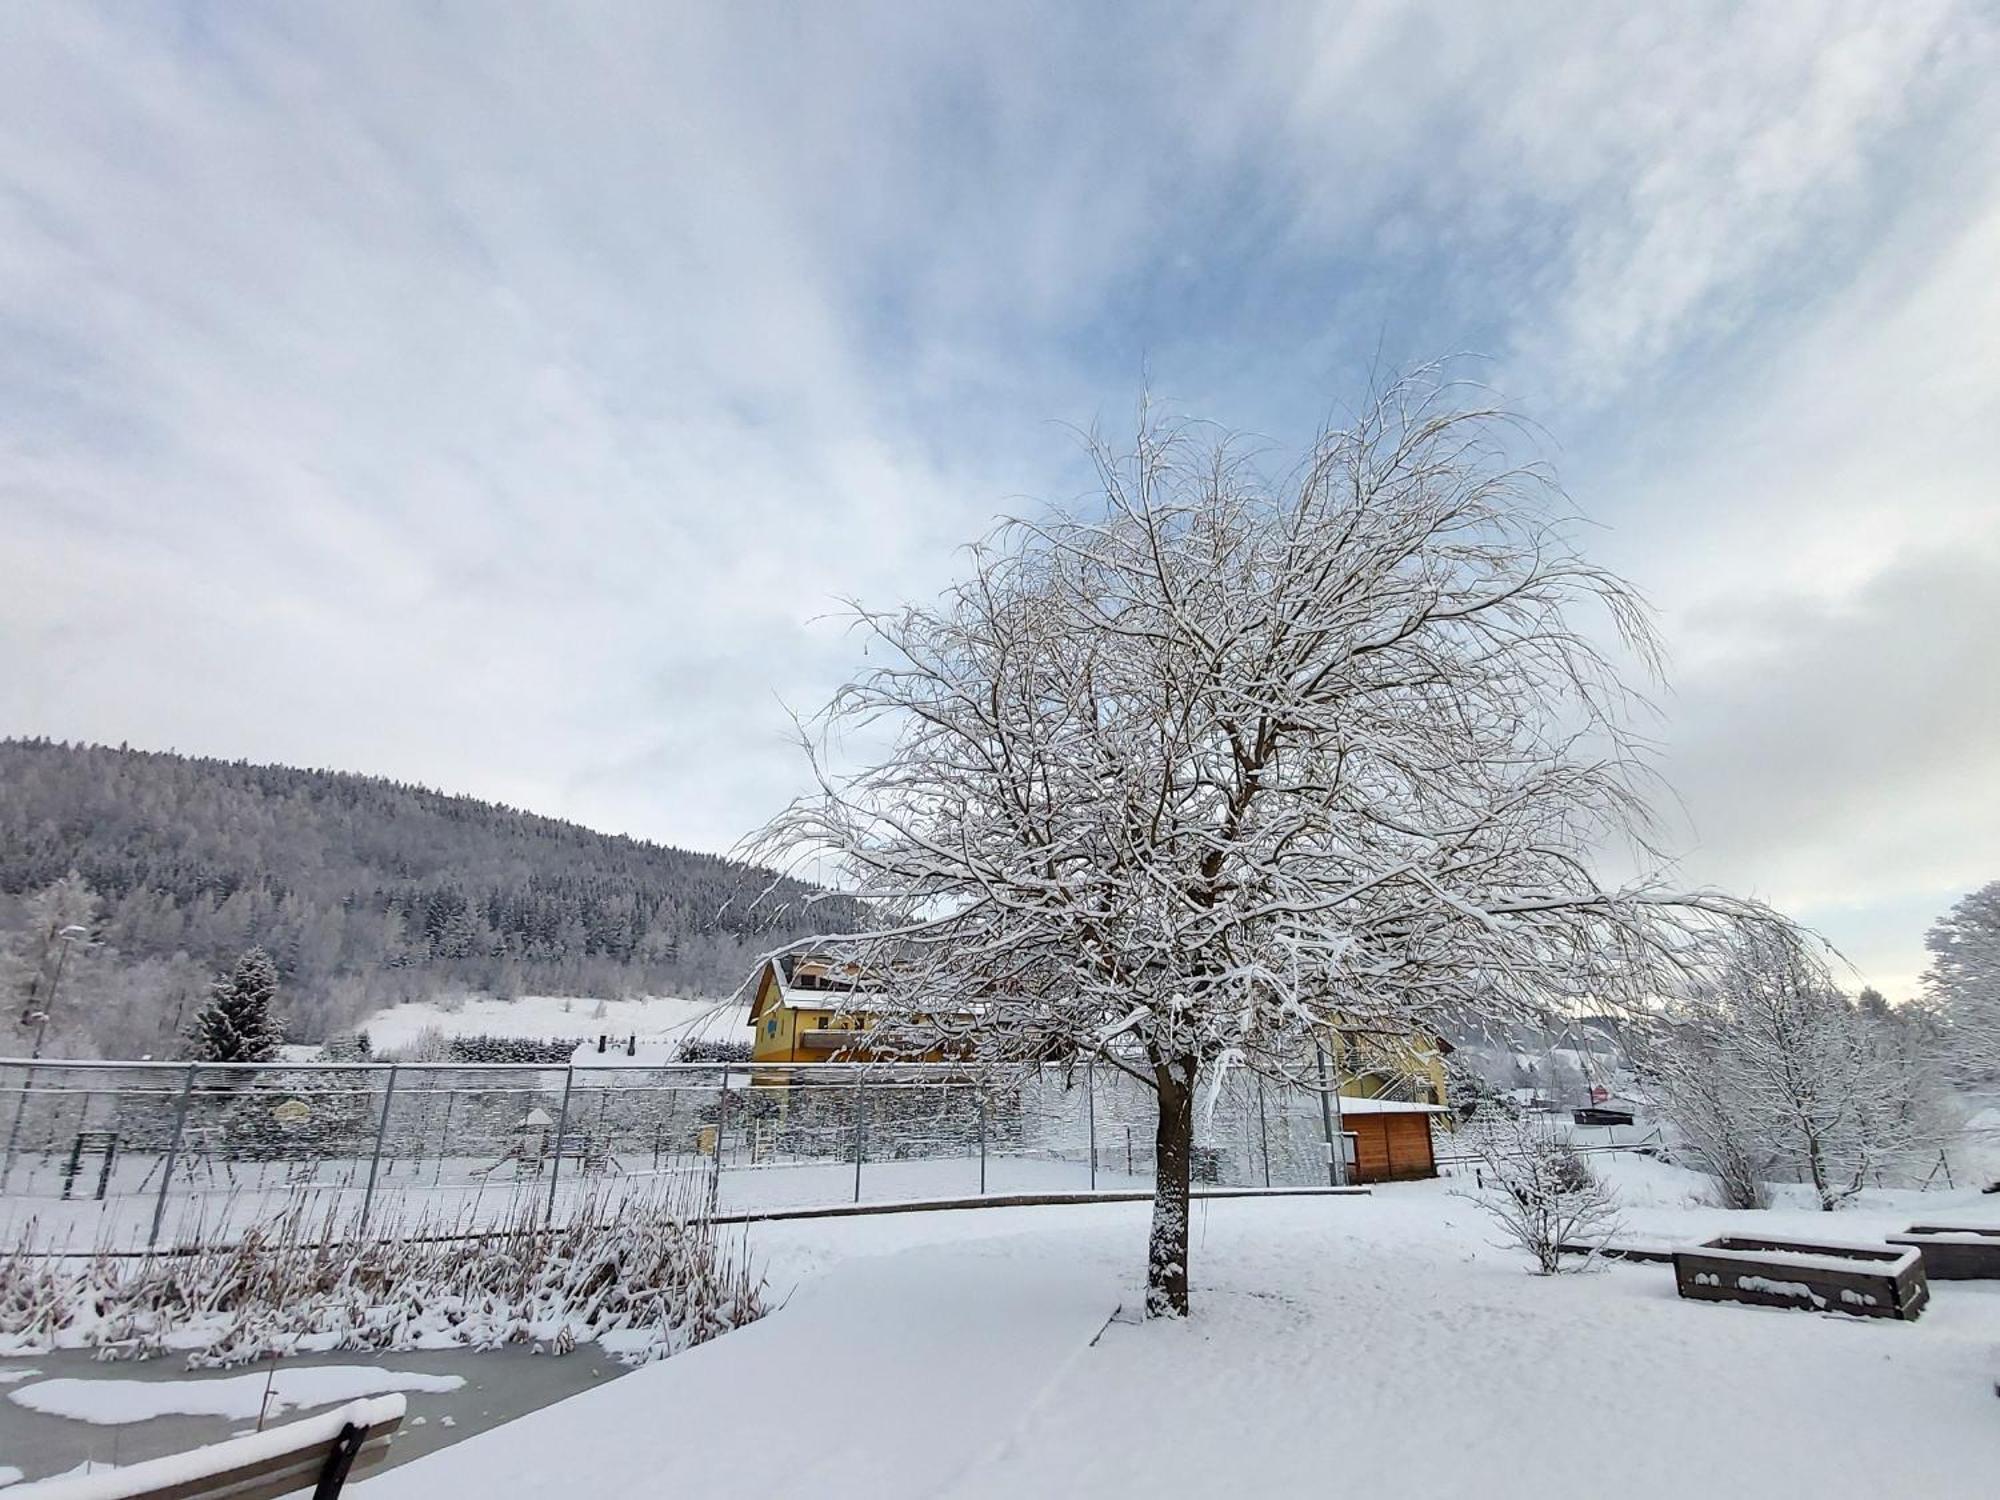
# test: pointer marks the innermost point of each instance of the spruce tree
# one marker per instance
(235, 1025)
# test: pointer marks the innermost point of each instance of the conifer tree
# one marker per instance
(235, 1025)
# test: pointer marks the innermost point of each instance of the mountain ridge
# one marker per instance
(369, 890)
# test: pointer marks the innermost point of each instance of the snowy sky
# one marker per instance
(494, 395)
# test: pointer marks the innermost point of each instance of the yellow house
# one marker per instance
(807, 1008)
(1374, 1065)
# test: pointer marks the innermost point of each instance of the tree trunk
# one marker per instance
(1816, 1163)
(1167, 1253)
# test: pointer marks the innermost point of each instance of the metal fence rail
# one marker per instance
(132, 1155)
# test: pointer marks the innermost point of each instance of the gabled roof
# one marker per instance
(805, 981)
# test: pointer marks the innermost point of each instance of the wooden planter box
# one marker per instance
(1954, 1252)
(1866, 1281)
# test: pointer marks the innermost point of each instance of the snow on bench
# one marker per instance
(1868, 1281)
(319, 1452)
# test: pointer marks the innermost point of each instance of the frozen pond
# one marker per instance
(498, 1386)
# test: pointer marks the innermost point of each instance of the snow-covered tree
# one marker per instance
(1963, 980)
(1902, 1109)
(1767, 1064)
(235, 1024)
(1186, 779)
(1690, 1072)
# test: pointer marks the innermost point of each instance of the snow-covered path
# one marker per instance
(1359, 1346)
(881, 1377)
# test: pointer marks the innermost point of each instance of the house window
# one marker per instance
(771, 1027)
(822, 1023)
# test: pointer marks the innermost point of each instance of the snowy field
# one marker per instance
(1381, 1345)
(654, 1018)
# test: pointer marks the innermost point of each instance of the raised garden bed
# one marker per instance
(1862, 1280)
(1602, 1114)
(1954, 1252)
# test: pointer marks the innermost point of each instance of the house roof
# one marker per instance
(804, 981)
(1349, 1106)
(811, 981)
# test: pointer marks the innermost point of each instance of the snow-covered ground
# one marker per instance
(668, 1019)
(1378, 1345)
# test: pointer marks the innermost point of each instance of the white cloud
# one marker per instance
(493, 397)
(1647, 177)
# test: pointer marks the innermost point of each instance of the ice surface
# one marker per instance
(109, 1402)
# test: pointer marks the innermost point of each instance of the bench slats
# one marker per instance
(261, 1466)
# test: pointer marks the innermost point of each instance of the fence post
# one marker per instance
(444, 1136)
(562, 1128)
(1263, 1130)
(173, 1153)
(1090, 1109)
(375, 1161)
(721, 1129)
(860, 1132)
(982, 1144)
(14, 1135)
(1336, 1164)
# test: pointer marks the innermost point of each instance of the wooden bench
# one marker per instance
(1866, 1281)
(1955, 1252)
(317, 1453)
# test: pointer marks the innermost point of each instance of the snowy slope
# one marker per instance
(657, 1018)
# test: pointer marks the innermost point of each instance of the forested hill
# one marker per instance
(364, 889)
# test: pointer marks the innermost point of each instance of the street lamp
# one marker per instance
(40, 1018)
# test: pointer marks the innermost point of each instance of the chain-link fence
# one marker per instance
(129, 1155)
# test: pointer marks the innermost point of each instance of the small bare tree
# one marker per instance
(1185, 779)
(1540, 1191)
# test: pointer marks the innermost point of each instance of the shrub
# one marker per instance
(1541, 1192)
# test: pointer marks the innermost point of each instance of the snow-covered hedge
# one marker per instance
(646, 1275)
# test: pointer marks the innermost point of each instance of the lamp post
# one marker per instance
(69, 935)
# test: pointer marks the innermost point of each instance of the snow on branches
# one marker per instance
(1764, 1064)
(1539, 1190)
(1225, 760)
(235, 1024)
(1964, 980)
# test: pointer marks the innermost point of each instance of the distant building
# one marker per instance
(812, 1008)
(1388, 1140)
(1391, 1089)
(809, 1008)
(1373, 1065)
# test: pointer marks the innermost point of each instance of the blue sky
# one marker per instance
(498, 396)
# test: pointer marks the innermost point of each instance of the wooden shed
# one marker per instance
(1390, 1139)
